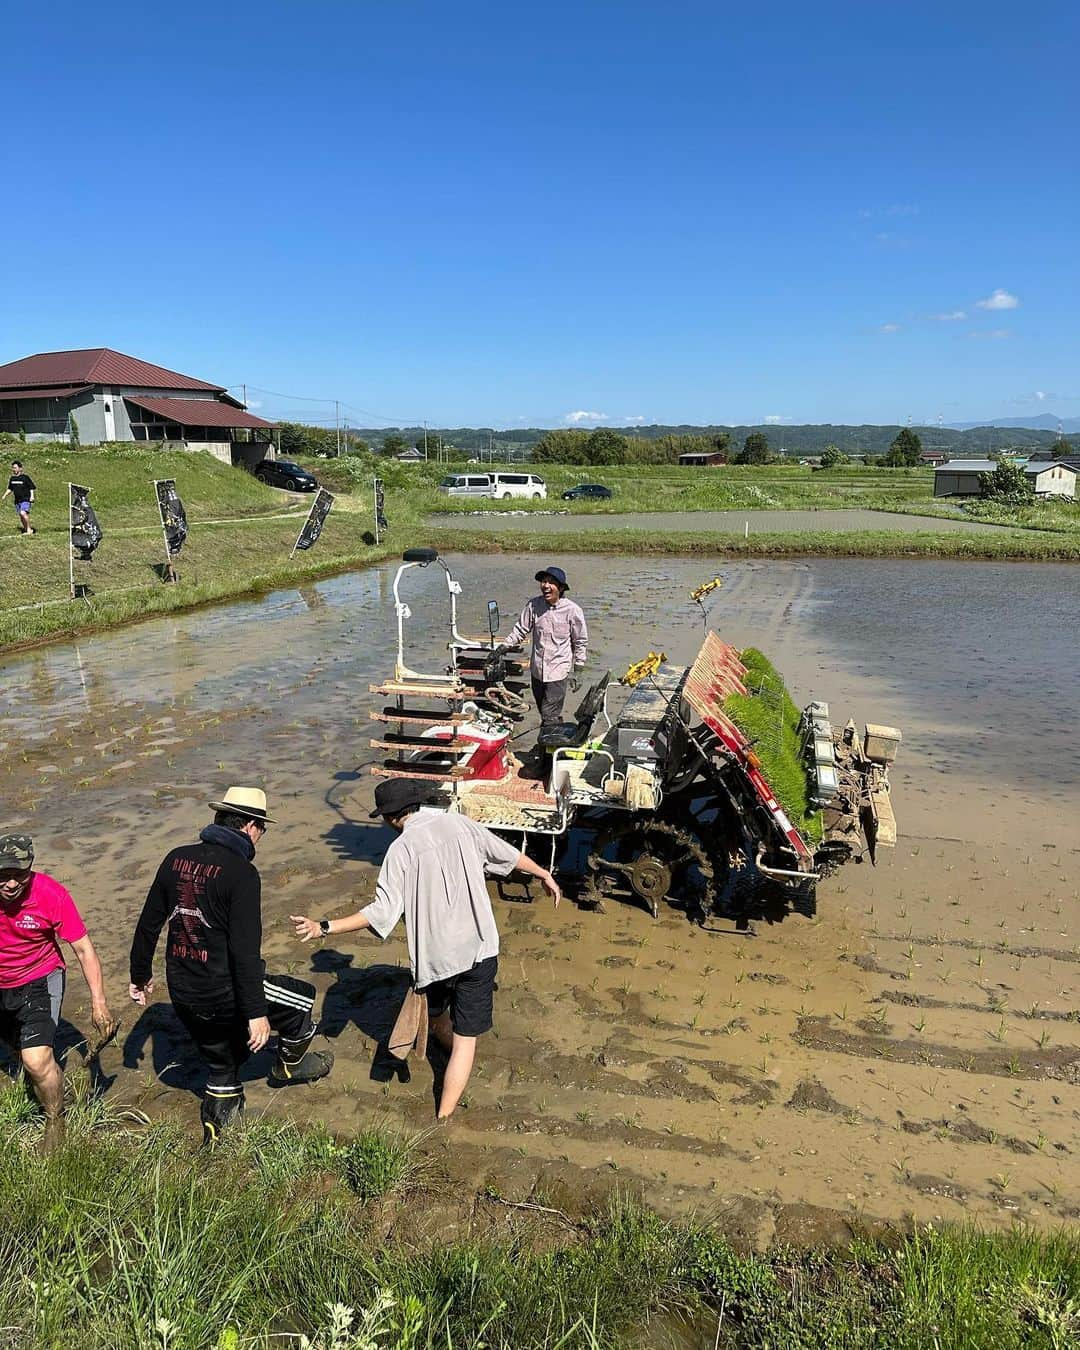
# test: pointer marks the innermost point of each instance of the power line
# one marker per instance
(311, 398)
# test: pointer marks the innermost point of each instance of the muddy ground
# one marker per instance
(914, 1050)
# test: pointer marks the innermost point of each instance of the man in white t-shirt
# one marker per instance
(434, 876)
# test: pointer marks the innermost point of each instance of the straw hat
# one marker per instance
(245, 801)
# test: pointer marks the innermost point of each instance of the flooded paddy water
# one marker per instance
(914, 1049)
(842, 521)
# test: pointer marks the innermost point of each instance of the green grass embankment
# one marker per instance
(131, 1239)
(241, 534)
(767, 716)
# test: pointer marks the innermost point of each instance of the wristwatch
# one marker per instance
(324, 927)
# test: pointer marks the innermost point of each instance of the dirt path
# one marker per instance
(915, 1049)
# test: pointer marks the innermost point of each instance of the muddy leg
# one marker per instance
(47, 1079)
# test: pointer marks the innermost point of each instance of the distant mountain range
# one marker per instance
(975, 439)
(1044, 422)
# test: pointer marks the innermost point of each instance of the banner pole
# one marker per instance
(170, 570)
(71, 549)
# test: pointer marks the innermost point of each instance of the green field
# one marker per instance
(242, 532)
(132, 1239)
(733, 487)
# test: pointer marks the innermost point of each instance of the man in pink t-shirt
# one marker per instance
(35, 913)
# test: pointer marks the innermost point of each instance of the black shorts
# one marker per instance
(30, 1012)
(470, 997)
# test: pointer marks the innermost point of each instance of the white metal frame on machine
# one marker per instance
(403, 612)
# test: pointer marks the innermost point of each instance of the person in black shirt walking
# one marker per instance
(209, 895)
(22, 487)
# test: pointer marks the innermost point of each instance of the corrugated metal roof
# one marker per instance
(1037, 466)
(95, 365)
(967, 466)
(198, 412)
(51, 391)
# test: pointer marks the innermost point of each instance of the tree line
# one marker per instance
(606, 446)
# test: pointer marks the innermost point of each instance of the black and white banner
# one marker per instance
(174, 524)
(320, 509)
(86, 532)
(380, 509)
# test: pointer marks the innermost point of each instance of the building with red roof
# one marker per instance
(112, 397)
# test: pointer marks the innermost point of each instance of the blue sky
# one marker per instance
(505, 214)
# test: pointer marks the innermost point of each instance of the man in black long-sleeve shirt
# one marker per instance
(209, 895)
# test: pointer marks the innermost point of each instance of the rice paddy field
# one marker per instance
(856, 1129)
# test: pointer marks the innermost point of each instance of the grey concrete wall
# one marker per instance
(90, 415)
(47, 419)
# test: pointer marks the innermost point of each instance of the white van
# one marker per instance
(466, 485)
(506, 485)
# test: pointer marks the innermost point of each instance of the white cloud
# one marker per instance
(888, 328)
(950, 316)
(1040, 394)
(774, 419)
(999, 299)
(991, 333)
(636, 421)
(253, 403)
(581, 418)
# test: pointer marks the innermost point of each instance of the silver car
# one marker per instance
(466, 485)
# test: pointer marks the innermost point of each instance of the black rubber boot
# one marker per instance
(222, 1106)
(311, 1066)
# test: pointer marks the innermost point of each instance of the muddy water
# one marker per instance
(914, 1049)
(844, 521)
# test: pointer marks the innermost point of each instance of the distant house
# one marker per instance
(1053, 479)
(933, 457)
(411, 456)
(113, 397)
(703, 459)
(961, 477)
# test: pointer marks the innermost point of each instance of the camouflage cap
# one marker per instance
(16, 852)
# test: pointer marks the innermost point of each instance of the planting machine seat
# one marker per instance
(668, 797)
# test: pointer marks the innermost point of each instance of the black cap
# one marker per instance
(557, 575)
(393, 796)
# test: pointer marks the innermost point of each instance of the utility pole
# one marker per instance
(425, 441)
(337, 426)
(243, 399)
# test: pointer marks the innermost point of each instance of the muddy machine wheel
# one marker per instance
(652, 861)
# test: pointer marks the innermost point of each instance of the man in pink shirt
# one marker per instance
(35, 912)
(560, 644)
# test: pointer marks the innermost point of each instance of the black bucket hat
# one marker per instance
(393, 796)
(557, 575)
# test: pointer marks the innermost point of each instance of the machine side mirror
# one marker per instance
(493, 617)
(423, 556)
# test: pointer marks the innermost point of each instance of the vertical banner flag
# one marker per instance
(174, 524)
(380, 508)
(84, 530)
(320, 509)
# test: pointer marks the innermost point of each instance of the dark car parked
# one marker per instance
(284, 473)
(594, 490)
